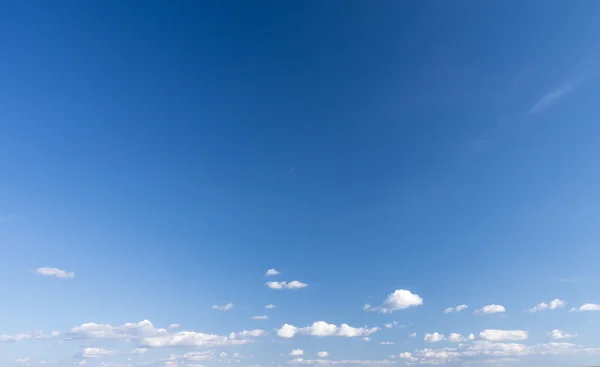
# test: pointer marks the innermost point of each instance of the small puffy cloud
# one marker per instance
(455, 338)
(398, 300)
(226, 307)
(271, 272)
(413, 335)
(456, 309)
(22, 360)
(287, 331)
(323, 354)
(588, 307)
(263, 317)
(96, 352)
(387, 343)
(557, 334)
(498, 335)
(297, 353)
(349, 332)
(490, 309)
(294, 284)
(433, 338)
(320, 328)
(366, 338)
(139, 351)
(174, 326)
(55, 272)
(270, 306)
(552, 305)
(390, 325)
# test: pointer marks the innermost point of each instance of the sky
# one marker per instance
(281, 183)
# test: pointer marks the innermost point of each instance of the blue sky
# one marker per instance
(158, 158)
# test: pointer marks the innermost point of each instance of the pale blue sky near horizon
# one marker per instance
(169, 153)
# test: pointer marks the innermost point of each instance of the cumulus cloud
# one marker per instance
(96, 352)
(586, 308)
(490, 309)
(457, 338)
(294, 284)
(552, 305)
(248, 334)
(456, 309)
(22, 360)
(322, 328)
(557, 334)
(287, 331)
(55, 272)
(263, 317)
(323, 354)
(270, 306)
(271, 272)
(297, 353)
(145, 334)
(433, 338)
(226, 307)
(413, 335)
(174, 326)
(398, 300)
(390, 325)
(498, 335)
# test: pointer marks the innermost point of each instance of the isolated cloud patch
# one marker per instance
(588, 307)
(294, 284)
(226, 307)
(398, 300)
(433, 338)
(55, 272)
(490, 309)
(272, 272)
(558, 334)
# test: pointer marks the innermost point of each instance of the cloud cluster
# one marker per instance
(226, 307)
(498, 335)
(322, 328)
(456, 309)
(552, 305)
(294, 284)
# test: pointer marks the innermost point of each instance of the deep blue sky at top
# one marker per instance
(172, 151)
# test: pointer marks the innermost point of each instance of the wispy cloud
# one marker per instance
(55, 272)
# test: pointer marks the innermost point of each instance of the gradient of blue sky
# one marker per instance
(169, 153)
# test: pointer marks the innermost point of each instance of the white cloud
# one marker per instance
(387, 343)
(145, 334)
(413, 335)
(271, 272)
(139, 351)
(96, 352)
(263, 317)
(490, 309)
(557, 334)
(248, 334)
(287, 331)
(552, 305)
(174, 326)
(297, 353)
(366, 338)
(398, 300)
(390, 325)
(322, 328)
(323, 354)
(175, 359)
(55, 272)
(587, 307)
(433, 338)
(226, 307)
(456, 309)
(294, 284)
(342, 362)
(498, 335)
(14, 338)
(22, 360)
(455, 338)
(270, 306)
